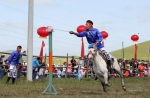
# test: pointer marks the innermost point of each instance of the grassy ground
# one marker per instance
(73, 88)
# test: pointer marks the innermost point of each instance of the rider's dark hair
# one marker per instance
(90, 21)
(19, 47)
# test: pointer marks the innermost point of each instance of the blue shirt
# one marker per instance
(14, 58)
(93, 35)
(35, 63)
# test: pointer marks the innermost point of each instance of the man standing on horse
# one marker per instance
(94, 37)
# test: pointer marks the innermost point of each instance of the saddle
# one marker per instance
(108, 62)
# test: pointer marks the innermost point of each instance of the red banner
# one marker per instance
(41, 52)
(82, 48)
(135, 52)
(149, 49)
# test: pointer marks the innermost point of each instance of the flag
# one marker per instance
(149, 49)
(82, 48)
(41, 52)
(135, 52)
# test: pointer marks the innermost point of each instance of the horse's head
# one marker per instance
(91, 53)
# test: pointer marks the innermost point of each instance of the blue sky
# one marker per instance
(120, 18)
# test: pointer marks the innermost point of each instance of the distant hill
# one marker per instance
(129, 51)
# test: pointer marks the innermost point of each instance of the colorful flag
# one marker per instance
(82, 48)
(41, 52)
(135, 52)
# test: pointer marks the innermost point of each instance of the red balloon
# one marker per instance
(104, 34)
(134, 37)
(81, 28)
(42, 32)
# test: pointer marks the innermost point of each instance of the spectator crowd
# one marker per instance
(73, 69)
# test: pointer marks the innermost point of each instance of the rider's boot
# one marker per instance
(109, 65)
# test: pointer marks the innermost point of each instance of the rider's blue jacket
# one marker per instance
(14, 58)
(93, 35)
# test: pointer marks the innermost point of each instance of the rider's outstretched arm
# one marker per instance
(82, 34)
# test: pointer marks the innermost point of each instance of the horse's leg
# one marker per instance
(119, 71)
(106, 78)
(102, 83)
(109, 77)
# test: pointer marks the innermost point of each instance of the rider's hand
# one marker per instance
(95, 44)
(71, 32)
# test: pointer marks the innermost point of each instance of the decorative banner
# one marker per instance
(104, 34)
(149, 49)
(135, 52)
(81, 28)
(41, 52)
(82, 48)
(135, 38)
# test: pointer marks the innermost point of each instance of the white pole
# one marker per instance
(30, 40)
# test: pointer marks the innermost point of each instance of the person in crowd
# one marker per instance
(2, 68)
(1, 61)
(81, 62)
(42, 71)
(13, 62)
(141, 68)
(63, 70)
(145, 69)
(59, 73)
(35, 66)
(73, 62)
(148, 69)
(127, 71)
(19, 67)
(75, 74)
(69, 70)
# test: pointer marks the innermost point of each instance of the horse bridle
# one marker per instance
(93, 54)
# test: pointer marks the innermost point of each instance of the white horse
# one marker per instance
(100, 68)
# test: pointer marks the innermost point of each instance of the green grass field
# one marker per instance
(60, 60)
(73, 88)
(129, 51)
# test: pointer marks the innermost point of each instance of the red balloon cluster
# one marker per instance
(134, 37)
(104, 34)
(42, 32)
(81, 28)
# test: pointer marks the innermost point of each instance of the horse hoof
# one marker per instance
(124, 88)
(105, 91)
(109, 84)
